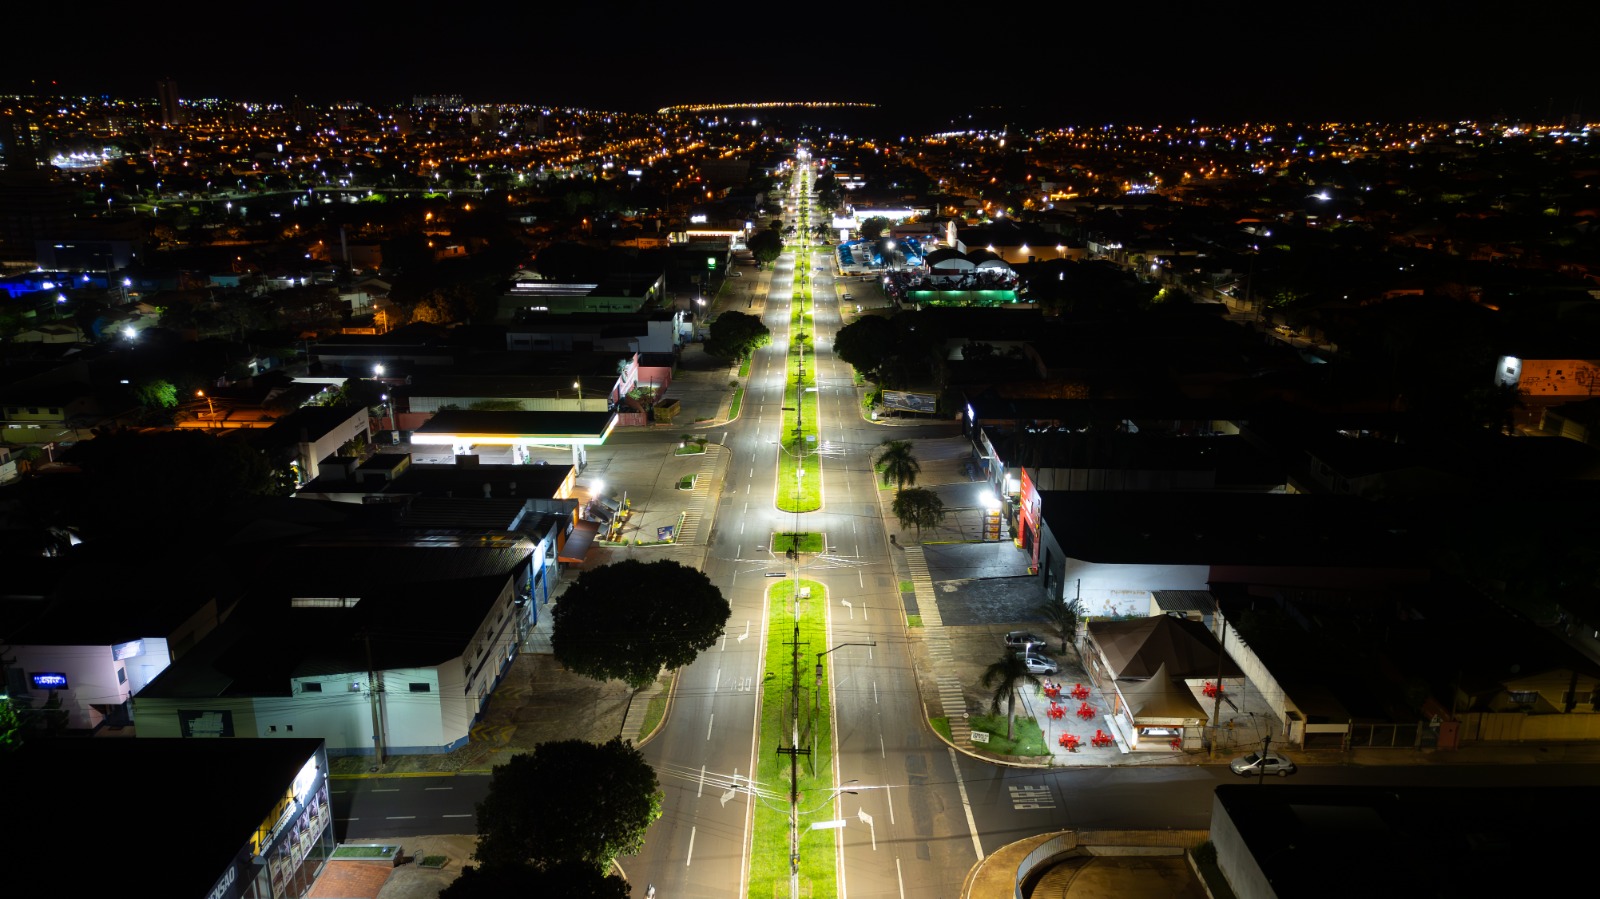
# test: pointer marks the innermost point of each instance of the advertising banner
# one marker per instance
(911, 402)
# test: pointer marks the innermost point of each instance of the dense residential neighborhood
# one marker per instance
(1267, 443)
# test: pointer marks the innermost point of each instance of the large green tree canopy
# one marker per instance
(766, 246)
(630, 619)
(568, 801)
(866, 343)
(735, 335)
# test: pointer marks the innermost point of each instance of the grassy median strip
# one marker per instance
(769, 859)
(799, 492)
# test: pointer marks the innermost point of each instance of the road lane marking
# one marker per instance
(385, 789)
(898, 879)
(400, 818)
(888, 796)
(746, 635)
(455, 816)
(702, 791)
(883, 754)
(688, 859)
(710, 722)
(966, 804)
(438, 788)
(874, 692)
(1031, 797)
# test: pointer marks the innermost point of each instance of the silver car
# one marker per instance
(1257, 764)
(1038, 664)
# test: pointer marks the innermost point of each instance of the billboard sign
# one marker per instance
(911, 402)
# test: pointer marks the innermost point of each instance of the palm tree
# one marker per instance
(898, 465)
(1063, 614)
(1005, 674)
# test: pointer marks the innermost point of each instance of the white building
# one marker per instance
(413, 630)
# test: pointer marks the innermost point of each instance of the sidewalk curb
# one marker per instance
(666, 713)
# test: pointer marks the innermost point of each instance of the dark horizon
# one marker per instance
(1230, 63)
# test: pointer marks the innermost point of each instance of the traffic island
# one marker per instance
(796, 741)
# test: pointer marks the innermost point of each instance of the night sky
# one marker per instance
(1066, 62)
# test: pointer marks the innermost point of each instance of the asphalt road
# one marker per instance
(390, 807)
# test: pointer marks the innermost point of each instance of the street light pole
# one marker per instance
(816, 694)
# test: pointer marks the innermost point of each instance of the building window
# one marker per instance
(311, 687)
(422, 688)
(289, 728)
(272, 728)
(122, 675)
(1524, 697)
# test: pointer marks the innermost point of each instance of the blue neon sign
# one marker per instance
(49, 680)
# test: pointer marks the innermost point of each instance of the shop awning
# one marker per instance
(577, 544)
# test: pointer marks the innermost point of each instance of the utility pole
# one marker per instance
(1261, 769)
(794, 752)
(1216, 704)
(375, 693)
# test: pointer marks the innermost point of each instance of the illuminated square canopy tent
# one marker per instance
(459, 429)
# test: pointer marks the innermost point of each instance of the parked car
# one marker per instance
(1256, 764)
(1038, 664)
(1023, 639)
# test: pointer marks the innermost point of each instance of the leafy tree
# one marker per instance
(566, 879)
(1005, 674)
(829, 195)
(10, 731)
(897, 464)
(357, 392)
(156, 394)
(919, 507)
(1063, 614)
(873, 227)
(766, 246)
(568, 801)
(734, 335)
(630, 619)
(867, 344)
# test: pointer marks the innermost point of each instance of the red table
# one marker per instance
(1057, 711)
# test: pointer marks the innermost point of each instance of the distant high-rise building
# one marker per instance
(441, 101)
(171, 112)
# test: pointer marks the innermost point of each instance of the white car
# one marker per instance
(1257, 764)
